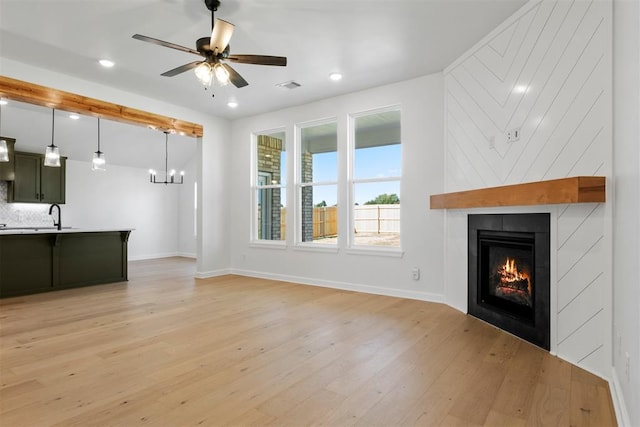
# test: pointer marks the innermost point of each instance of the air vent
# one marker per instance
(289, 85)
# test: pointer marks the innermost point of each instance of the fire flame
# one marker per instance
(509, 273)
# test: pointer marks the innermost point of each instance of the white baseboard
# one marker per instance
(188, 255)
(619, 405)
(213, 273)
(152, 256)
(356, 287)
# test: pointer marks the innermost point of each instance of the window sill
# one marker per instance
(316, 247)
(375, 251)
(268, 244)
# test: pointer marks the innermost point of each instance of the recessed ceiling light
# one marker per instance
(3, 102)
(106, 63)
(520, 89)
(74, 116)
(232, 104)
(335, 76)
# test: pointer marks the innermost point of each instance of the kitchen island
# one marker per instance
(34, 260)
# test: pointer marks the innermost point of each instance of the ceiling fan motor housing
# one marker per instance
(212, 4)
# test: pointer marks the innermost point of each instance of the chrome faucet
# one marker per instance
(59, 223)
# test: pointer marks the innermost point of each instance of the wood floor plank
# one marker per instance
(516, 392)
(165, 349)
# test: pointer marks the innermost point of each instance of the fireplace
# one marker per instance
(509, 273)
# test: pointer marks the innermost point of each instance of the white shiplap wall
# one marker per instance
(547, 72)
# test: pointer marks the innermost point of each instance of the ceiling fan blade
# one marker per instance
(181, 69)
(164, 43)
(234, 77)
(220, 35)
(280, 61)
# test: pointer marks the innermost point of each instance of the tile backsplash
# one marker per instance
(22, 214)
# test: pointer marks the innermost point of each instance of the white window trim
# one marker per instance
(253, 237)
(299, 244)
(353, 248)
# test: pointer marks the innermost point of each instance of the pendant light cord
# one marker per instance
(98, 134)
(53, 123)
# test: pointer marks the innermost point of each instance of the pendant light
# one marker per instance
(4, 149)
(98, 163)
(52, 155)
(169, 176)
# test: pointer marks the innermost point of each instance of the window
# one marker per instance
(375, 178)
(318, 183)
(269, 191)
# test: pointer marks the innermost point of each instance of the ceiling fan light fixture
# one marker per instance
(222, 75)
(204, 73)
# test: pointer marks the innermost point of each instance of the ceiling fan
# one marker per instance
(215, 50)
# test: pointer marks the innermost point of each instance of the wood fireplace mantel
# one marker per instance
(578, 189)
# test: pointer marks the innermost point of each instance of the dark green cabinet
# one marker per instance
(52, 182)
(26, 264)
(7, 168)
(41, 262)
(36, 183)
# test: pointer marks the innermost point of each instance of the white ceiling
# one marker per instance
(372, 42)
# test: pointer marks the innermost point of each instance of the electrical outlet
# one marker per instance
(415, 273)
(513, 135)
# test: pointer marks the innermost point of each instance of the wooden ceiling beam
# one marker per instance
(31, 93)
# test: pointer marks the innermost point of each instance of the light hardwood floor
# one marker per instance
(166, 349)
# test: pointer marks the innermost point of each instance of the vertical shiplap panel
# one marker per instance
(546, 71)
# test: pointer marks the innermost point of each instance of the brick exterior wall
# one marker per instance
(307, 197)
(269, 150)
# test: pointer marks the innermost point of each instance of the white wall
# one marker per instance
(546, 71)
(421, 103)
(626, 214)
(187, 240)
(214, 199)
(123, 197)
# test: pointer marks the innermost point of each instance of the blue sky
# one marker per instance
(373, 162)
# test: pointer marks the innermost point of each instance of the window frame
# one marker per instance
(255, 187)
(299, 185)
(352, 182)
